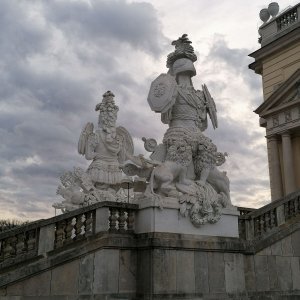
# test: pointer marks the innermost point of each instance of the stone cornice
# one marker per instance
(283, 40)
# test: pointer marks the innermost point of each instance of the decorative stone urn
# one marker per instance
(264, 15)
(273, 9)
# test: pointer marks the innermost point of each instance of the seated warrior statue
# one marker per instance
(107, 147)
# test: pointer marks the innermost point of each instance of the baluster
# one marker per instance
(20, 246)
(88, 223)
(298, 204)
(262, 224)
(78, 227)
(290, 210)
(242, 228)
(267, 225)
(60, 234)
(69, 231)
(285, 208)
(259, 228)
(122, 220)
(8, 249)
(1, 251)
(130, 220)
(256, 230)
(31, 242)
(113, 219)
(273, 222)
(293, 208)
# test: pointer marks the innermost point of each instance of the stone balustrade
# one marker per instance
(274, 28)
(260, 222)
(36, 238)
(287, 19)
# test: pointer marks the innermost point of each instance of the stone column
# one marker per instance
(274, 168)
(288, 166)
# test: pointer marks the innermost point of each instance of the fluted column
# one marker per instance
(288, 165)
(274, 168)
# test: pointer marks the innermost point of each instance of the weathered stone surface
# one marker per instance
(38, 285)
(144, 272)
(2, 291)
(201, 272)
(250, 281)
(64, 279)
(276, 248)
(234, 267)
(284, 273)
(216, 272)
(262, 274)
(273, 278)
(128, 271)
(46, 243)
(296, 243)
(164, 271)
(295, 266)
(286, 246)
(265, 251)
(15, 289)
(86, 274)
(106, 271)
(185, 272)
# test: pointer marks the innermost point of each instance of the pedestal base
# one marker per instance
(151, 218)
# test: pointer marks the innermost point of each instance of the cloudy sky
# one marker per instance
(58, 57)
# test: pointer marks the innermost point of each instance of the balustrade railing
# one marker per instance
(245, 210)
(260, 222)
(19, 245)
(287, 19)
(33, 239)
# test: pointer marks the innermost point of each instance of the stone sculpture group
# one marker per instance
(182, 168)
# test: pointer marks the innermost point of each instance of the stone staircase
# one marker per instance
(94, 253)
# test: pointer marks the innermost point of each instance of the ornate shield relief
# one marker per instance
(163, 92)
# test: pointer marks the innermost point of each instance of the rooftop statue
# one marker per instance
(181, 169)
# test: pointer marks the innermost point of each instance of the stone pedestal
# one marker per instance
(151, 218)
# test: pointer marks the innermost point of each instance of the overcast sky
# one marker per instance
(59, 57)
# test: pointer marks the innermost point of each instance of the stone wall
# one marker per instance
(167, 266)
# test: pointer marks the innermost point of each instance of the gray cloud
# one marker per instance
(114, 21)
(58, 57)
(236, 61)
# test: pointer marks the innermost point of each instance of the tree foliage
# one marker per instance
(10, 224)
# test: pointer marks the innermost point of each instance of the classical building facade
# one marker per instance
(278, 62)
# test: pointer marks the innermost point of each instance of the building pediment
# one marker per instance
(285, 96)
(281, 111)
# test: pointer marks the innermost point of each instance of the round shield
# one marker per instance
(163, 92)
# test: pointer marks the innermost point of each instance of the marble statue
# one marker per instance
(108, 147)
(183, 168)
(186, 161)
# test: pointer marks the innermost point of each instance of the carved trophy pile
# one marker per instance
(182, 168)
